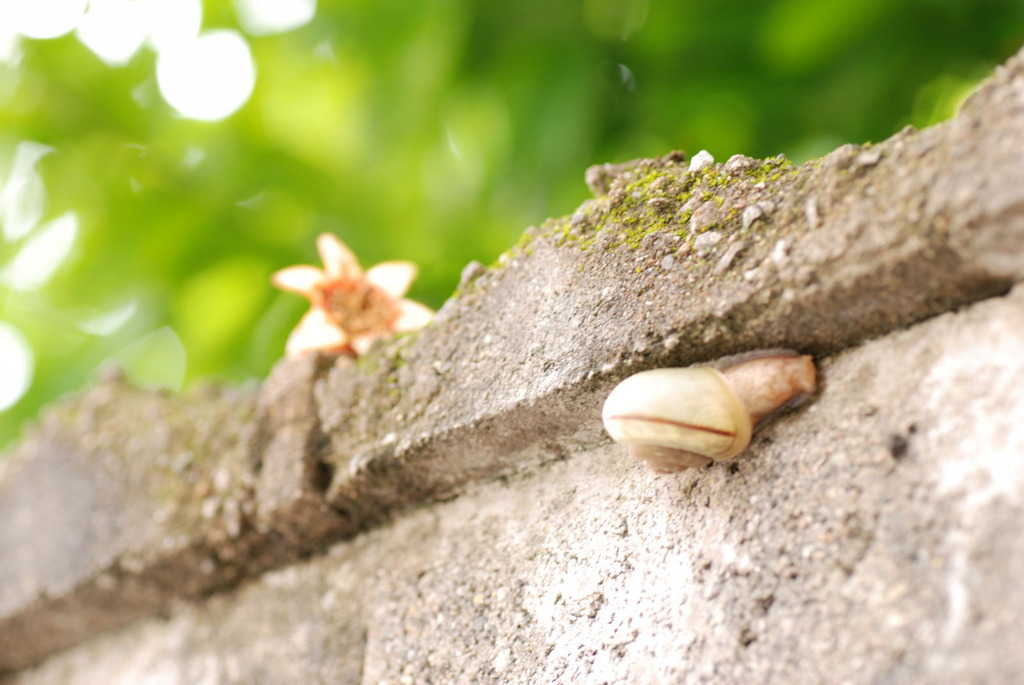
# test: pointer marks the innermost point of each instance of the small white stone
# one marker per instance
(780, 254)
(740, 163)
(209, 507)
(502, 660)
(701, 160)
(869, 157)
(221, 480)
(232, 517)
(811, 212)
(471, 272)
(725, 261)
(751, 214)
(705, 241)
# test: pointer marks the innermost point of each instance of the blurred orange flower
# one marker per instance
(351, 309)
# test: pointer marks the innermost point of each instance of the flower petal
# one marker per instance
(413, 316)
(339, 262)
(298, 279)
(315, 331)
(394, 278)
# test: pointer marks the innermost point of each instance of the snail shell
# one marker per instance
(681, 418)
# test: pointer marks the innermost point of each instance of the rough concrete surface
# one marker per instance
(871, 530)
(872, 536)
(117, 502)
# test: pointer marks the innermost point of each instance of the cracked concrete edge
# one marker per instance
(512, 373)
(291, 474)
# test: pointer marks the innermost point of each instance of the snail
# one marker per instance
(680, 418)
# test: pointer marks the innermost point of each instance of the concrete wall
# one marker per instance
(448, 509)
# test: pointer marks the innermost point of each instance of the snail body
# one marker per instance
(680, 418)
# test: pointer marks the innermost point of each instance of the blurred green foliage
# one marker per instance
(429, 131)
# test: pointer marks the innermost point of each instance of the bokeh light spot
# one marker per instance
(16, 365)
(46, 18)
(108, 323)
(262, 17)
(23, 195)
(36, 262)
(173, 22)
(115, 30)
(208, 78)
(10, 41)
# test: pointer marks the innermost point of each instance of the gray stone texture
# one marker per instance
(872, 536)
(117, 501)
(470, 519)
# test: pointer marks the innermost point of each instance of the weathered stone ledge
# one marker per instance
(871, 538)
(861, 242)
(122, 500)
